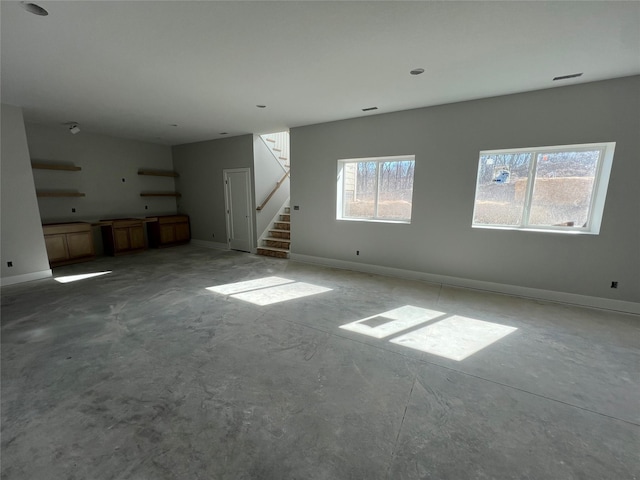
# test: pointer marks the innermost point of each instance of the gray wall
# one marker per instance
(268, 173)
(200, 166)
(21, 238)
(105, 161)
(446, 141)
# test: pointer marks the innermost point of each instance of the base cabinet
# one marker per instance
(68, 243)
(123, 236)
(169, 230)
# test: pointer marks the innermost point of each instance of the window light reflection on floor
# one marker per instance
(450, 336)
(82, 276)
(268, 290)
(393, 321)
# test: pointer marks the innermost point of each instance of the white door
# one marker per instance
(237, 190)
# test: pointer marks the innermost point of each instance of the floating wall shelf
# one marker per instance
(55, 166)
(158, 173)
(160, 194)
(59, 194)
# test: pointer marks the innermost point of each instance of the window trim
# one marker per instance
(340, 188)
(598, 195)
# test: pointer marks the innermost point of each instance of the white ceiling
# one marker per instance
(133, 68)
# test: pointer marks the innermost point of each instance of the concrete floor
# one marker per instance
(144, 373)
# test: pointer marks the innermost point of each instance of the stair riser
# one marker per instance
(287, 210)
(273, 243)
(273, 234)
(285, 218)
(282, 226)
(268, 253)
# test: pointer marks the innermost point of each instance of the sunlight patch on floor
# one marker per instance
(75, 278)
(450, 336)
(454, 337)
(393, 321)
(232, 288)
(268, 290)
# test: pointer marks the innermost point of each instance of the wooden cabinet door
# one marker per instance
(167, 234)
(80, 244)
(182, 232)
(136, 237)
(56, 247)
(121, 239)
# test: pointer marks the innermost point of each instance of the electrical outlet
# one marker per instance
(357, 252)
(296, 207)
(73, 210)
(614, 284)
(9, 264)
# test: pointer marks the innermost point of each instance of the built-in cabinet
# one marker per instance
(168, 230)
(68, 243)
(122, 236)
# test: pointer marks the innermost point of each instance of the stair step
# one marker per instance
(287, 217)
(283, 158)
(276, 149)
(274, 249)
(271, 140)
(276, 239)
(273, 252)
(287, 210)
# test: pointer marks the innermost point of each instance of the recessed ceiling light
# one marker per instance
(33, 8)
(417, 71)
(261, 106)
(369, 109)
(565, 77)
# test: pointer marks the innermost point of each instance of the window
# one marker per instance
(376, 189)
(559, 189)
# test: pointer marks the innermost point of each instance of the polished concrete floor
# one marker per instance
(189, 363)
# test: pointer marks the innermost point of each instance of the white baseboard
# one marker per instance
(526, 292)
(26, 277)
(207, 244)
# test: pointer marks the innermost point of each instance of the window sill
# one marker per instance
(537, 230)
(369, 220)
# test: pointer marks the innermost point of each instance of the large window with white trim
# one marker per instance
(558, 189)
(376, 189)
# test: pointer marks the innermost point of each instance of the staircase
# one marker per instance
(278, 241)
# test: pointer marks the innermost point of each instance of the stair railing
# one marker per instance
(280, 142)
(273, 192)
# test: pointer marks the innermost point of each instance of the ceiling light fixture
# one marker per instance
(417, 71)
(33, 8)
(565, 77)
(369, 109)
(73, 127)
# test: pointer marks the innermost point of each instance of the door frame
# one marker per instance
(225, 176)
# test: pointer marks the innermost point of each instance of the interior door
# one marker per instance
(237, 186)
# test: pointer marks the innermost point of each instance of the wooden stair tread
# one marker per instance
(281, 230)
(274, 249)
(275, 239)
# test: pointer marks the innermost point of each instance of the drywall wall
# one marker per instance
(268, 173)
(21, 238)
(445, 141)
(200, 166)
(105, 162)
